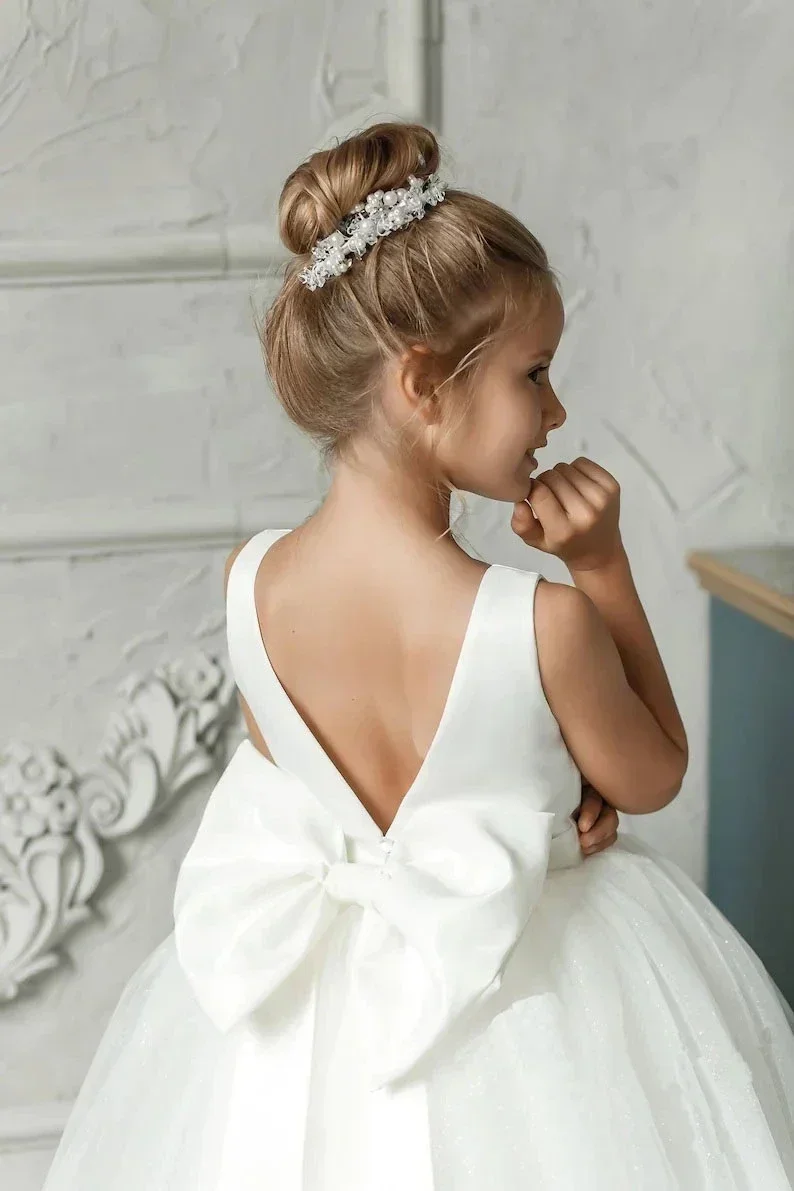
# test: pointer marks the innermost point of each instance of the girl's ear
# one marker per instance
(417, 375)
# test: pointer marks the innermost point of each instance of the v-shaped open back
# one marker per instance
(495, 730)
(275, 712)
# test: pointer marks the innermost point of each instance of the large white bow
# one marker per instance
(446, 900)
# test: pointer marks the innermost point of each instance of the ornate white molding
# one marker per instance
(55, 823)
(412, 38)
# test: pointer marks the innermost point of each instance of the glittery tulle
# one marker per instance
(150, 1112)
(639, 1044)
(635, 1044)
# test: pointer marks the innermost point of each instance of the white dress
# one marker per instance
(463, 1003)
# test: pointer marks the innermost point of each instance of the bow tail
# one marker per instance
(431, 955)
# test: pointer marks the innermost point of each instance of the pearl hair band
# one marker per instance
(380, 214)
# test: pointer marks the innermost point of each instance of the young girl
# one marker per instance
(392, 968)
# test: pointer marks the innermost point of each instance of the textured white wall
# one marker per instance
(143, 144)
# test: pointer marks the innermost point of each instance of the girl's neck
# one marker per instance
(372, 498)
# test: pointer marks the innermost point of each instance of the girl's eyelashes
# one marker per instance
(533, 374)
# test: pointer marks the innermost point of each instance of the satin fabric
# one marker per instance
(443, 903)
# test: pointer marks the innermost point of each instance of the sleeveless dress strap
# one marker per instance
(290, 743)
(493, 733)
(505, 728)
(244, 639)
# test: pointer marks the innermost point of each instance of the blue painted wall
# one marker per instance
(750, 872)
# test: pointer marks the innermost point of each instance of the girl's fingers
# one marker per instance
(587, 487)
(546, 506)
(591, 849)
(526, 524)
(599, 474)
(568, 497)
(604, 829)
(589, 809)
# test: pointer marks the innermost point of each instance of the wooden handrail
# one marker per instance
(758, 580)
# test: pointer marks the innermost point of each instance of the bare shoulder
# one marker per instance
(578, 662)
(566, 621)
(229, 561)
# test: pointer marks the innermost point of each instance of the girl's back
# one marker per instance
(491, 728)
(366, 645)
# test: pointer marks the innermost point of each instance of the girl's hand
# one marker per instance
(597, 822)
(574, 514)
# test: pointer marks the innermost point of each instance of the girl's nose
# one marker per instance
(558, 414)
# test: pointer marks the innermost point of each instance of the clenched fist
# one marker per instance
(596, 821)
(572, 511)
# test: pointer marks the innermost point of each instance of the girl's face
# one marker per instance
(513, 410)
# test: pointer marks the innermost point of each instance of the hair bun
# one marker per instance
(331, 182)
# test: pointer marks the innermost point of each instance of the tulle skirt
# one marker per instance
(636, 1044)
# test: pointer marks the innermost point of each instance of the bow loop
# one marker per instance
(270, 870)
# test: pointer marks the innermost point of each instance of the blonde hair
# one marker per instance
(449, 281)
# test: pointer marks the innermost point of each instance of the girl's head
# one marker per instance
(432, 350)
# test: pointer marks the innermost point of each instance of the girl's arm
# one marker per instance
(600, 668)
(611, 588)
(627, 741)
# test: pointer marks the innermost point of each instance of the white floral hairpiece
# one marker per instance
(379, 214)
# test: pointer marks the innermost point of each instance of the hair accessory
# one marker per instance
(379, 214)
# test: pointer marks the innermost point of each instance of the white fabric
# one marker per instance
(461, 1003)
(264, 882)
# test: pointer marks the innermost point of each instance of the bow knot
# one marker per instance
(354, 880)
(270, 869)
